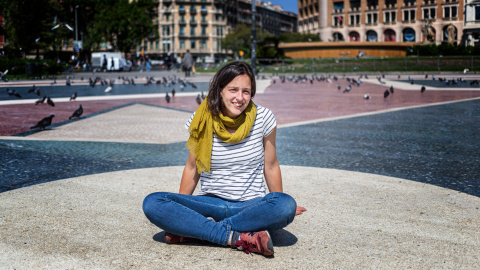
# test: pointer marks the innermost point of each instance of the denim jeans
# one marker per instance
(186, 215)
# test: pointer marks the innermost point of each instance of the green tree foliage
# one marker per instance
(445, 49)
(118, 22)
(28, 21)
(121, 22)
(299, 37)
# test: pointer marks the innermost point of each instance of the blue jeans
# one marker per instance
(186, 215)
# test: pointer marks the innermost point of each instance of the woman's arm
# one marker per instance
(190, 176)
(272, 173)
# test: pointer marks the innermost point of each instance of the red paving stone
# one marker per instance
(290, 102)
(294, 102)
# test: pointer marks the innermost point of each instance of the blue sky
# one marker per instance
(288, 5)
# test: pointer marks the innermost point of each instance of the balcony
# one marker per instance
(182, 21)
(203, 10)
(193, 22)
(181, 10)
(204, 22)
(193, 11)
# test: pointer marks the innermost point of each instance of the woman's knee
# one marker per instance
(152, 202)
(283, 201)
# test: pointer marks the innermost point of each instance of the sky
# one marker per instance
(288, 5)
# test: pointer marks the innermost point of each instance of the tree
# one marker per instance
(120, 22)
(28, 23)
(241, 40)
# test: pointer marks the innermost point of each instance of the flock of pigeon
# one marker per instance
(93, 82)
(352, 81)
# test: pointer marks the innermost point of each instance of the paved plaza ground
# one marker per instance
(388, 182)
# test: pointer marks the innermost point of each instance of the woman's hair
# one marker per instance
(222, 78)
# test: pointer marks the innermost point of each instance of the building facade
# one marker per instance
(471, 30)
(199, 26)
(427, 21)
(270, 18)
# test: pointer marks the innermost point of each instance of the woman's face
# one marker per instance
(236, 96)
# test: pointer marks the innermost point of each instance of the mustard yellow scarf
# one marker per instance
(204, 124)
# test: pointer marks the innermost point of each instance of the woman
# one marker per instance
(232, 147)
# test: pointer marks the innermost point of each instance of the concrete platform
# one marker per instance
(376, 177)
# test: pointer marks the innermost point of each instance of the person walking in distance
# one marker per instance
(187, 63)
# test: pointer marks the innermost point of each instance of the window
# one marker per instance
(409, 35)
(192, 31)
(204, 18)
(450, 12)
(182, 18)
(354, 20)
(193, 44)
(166, 30)
(203, 44)
(182, 43)
(372, 18)
(338, 6)
(429, 13)
(157, 45)
(204, 30)
(409, 15)
(477, 13)
(371, 36)
(182, 30)
(219, 31)
(337, 21)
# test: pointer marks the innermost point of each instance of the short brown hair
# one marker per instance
(222, 78)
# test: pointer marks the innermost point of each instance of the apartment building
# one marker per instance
(428, 21)
(270, 18)
(199, 26)
(196, 25)
(471, 30)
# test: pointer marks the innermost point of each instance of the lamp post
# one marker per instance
(254, 39)
(76, 25)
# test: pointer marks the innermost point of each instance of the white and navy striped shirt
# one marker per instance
(236, 169)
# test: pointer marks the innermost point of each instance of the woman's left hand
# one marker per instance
(300, 210)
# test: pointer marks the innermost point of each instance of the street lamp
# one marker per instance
(76, 26)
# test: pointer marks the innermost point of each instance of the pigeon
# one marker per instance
(199, 99)
(386, 93)
(108, 89)
(41, 100)
(132, 82)
(465, 70)
(422, 89)
(16, 94)
(54, 81)
(366, 96)
(426, 76)
(167, 97)
(50, 102)
(37, 92)
(73, 97)
(391, 89)
(173, 92)
(10, 92)
(339, 87)
(45, 122)
(32, 89)
(203, 95)
(68, 82)
(77, 113)
(347, 89)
